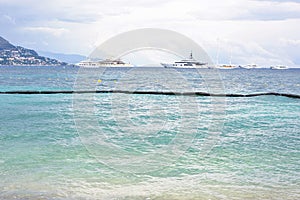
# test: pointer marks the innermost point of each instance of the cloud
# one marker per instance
(289, 42)
(253, 29)
(248, 10)
(79, 19)
(241, 53)
(291, 48)
(48, 30)
(284, 1)
(7, 19)
(270, 10)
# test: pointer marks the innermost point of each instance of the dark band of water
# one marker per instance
(153, 93)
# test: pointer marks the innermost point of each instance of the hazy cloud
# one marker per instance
(47, 30)
(254, 30)
(290, 42)
(273, 11)
(7, 19)
(248, 10)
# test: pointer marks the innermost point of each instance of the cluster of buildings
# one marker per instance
(23, 56)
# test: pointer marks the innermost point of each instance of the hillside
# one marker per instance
(5, 45)
(17, 55)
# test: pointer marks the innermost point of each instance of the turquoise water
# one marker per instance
(130, 146)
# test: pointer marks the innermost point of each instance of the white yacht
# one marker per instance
(186, 63)
(103, 63)
(279, 67)
(250, 66)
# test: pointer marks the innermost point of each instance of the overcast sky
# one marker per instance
(249, 31)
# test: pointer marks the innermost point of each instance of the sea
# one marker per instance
(109, 142)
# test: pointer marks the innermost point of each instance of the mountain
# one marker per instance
(5, 45)
(17, 55)
(68, 58)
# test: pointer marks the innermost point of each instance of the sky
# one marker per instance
(264, 32)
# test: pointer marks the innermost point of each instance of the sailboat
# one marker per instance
(225, 66)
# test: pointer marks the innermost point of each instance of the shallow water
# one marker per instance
(130, 146)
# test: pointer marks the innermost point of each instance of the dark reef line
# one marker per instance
(152, 93)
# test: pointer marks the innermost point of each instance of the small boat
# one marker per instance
(186, 63)
(226, 67)
(280, 67)
(103, 63)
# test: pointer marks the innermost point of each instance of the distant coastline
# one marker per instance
(11, 55)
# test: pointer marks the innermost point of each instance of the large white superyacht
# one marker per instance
(103, 63)
(186, 63)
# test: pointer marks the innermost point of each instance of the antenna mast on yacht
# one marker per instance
(191, 55)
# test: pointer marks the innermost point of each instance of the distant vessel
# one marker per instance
(250, 66)
(226, 66)
(279, 67)
(103, 63)
(186, 63)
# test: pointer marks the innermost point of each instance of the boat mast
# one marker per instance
(218, 52)
(230, 56)
(191, 55)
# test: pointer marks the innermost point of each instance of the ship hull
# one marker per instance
(165, 65)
